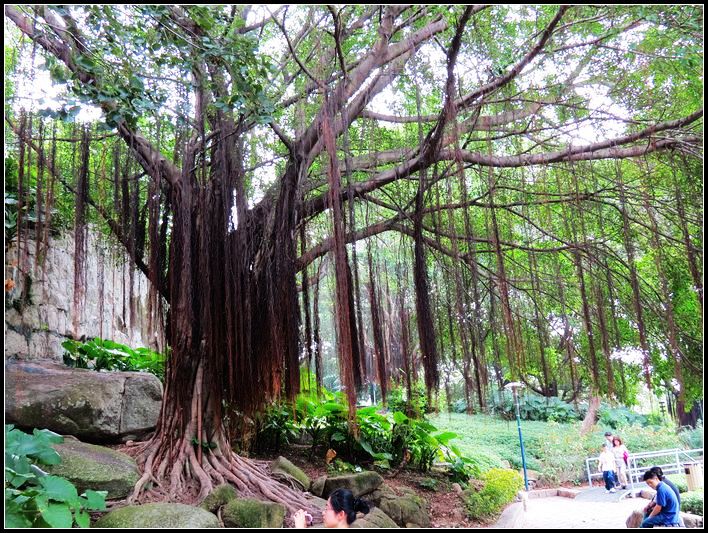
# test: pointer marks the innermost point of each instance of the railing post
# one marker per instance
(587, 468)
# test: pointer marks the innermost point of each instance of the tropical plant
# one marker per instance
(34, 498)
(103, 354)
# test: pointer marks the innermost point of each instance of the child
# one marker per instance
(608, 467)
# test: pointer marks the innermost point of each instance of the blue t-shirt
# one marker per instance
(669, 504)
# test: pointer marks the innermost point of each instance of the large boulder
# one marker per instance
(360, 484)
(94, 467)
(158, 515)
(93, 406)
(246, 513)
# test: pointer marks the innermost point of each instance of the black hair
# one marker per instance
(651, 474)
(344, 500)
(658, 471)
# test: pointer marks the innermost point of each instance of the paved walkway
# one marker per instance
(591, 509)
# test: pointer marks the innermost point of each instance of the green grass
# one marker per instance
(556, 451)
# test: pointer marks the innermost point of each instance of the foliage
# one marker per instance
(103, 354)
(275, 427)
(620, 416)
(692, 438)
(534, 407)
(416, 407)
(500, 487)
(680, 481)
(429, 483)
(556, 451)
(32, 497)
(692, 502)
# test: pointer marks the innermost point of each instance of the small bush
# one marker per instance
(103, 354)
(500, 487)
(692, 502)
(620, 416)
(692, 438)
(680, 481)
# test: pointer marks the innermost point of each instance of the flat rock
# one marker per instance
(158, 515)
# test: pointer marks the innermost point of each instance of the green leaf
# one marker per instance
(14, 518)
(83, 519)
(95, 500)
(57, 515)
(399, 418)
(59, 489)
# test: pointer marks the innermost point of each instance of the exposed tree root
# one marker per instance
(186, 473)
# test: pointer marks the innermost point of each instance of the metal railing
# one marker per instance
(671, 461)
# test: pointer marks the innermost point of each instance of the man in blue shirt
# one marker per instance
(666, 509)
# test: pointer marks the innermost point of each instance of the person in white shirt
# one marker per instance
(608, 468)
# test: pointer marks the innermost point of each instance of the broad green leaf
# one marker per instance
(59, 489)
(57, 515)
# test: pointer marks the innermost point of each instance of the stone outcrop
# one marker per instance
(37, 323)
(93, 406)
(247, 513)
(158, 515)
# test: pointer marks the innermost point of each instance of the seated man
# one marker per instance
(666, 508)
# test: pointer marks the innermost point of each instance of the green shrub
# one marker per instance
(618, 417)
(680, 481)
(32, 497)
(103, 354)
(500, 487)
(692, 438)
(692, 502)
(415, 407)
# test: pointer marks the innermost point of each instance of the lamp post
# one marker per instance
(514, 386)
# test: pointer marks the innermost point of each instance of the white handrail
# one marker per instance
(633, 469)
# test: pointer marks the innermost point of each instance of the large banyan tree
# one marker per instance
(203, 98)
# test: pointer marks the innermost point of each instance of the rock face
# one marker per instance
(36, 326)
(158, 515)
(95, 467)
(93, 406)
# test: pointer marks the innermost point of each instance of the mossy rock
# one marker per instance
(218, 497)
(403, 510)
(95, 467)
(375, 518)
(158, 515)
(253, 514)
(359, 484)
(282, 467)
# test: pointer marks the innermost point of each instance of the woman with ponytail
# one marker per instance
(341, 510)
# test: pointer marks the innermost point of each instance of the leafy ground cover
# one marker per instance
(556, 451)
